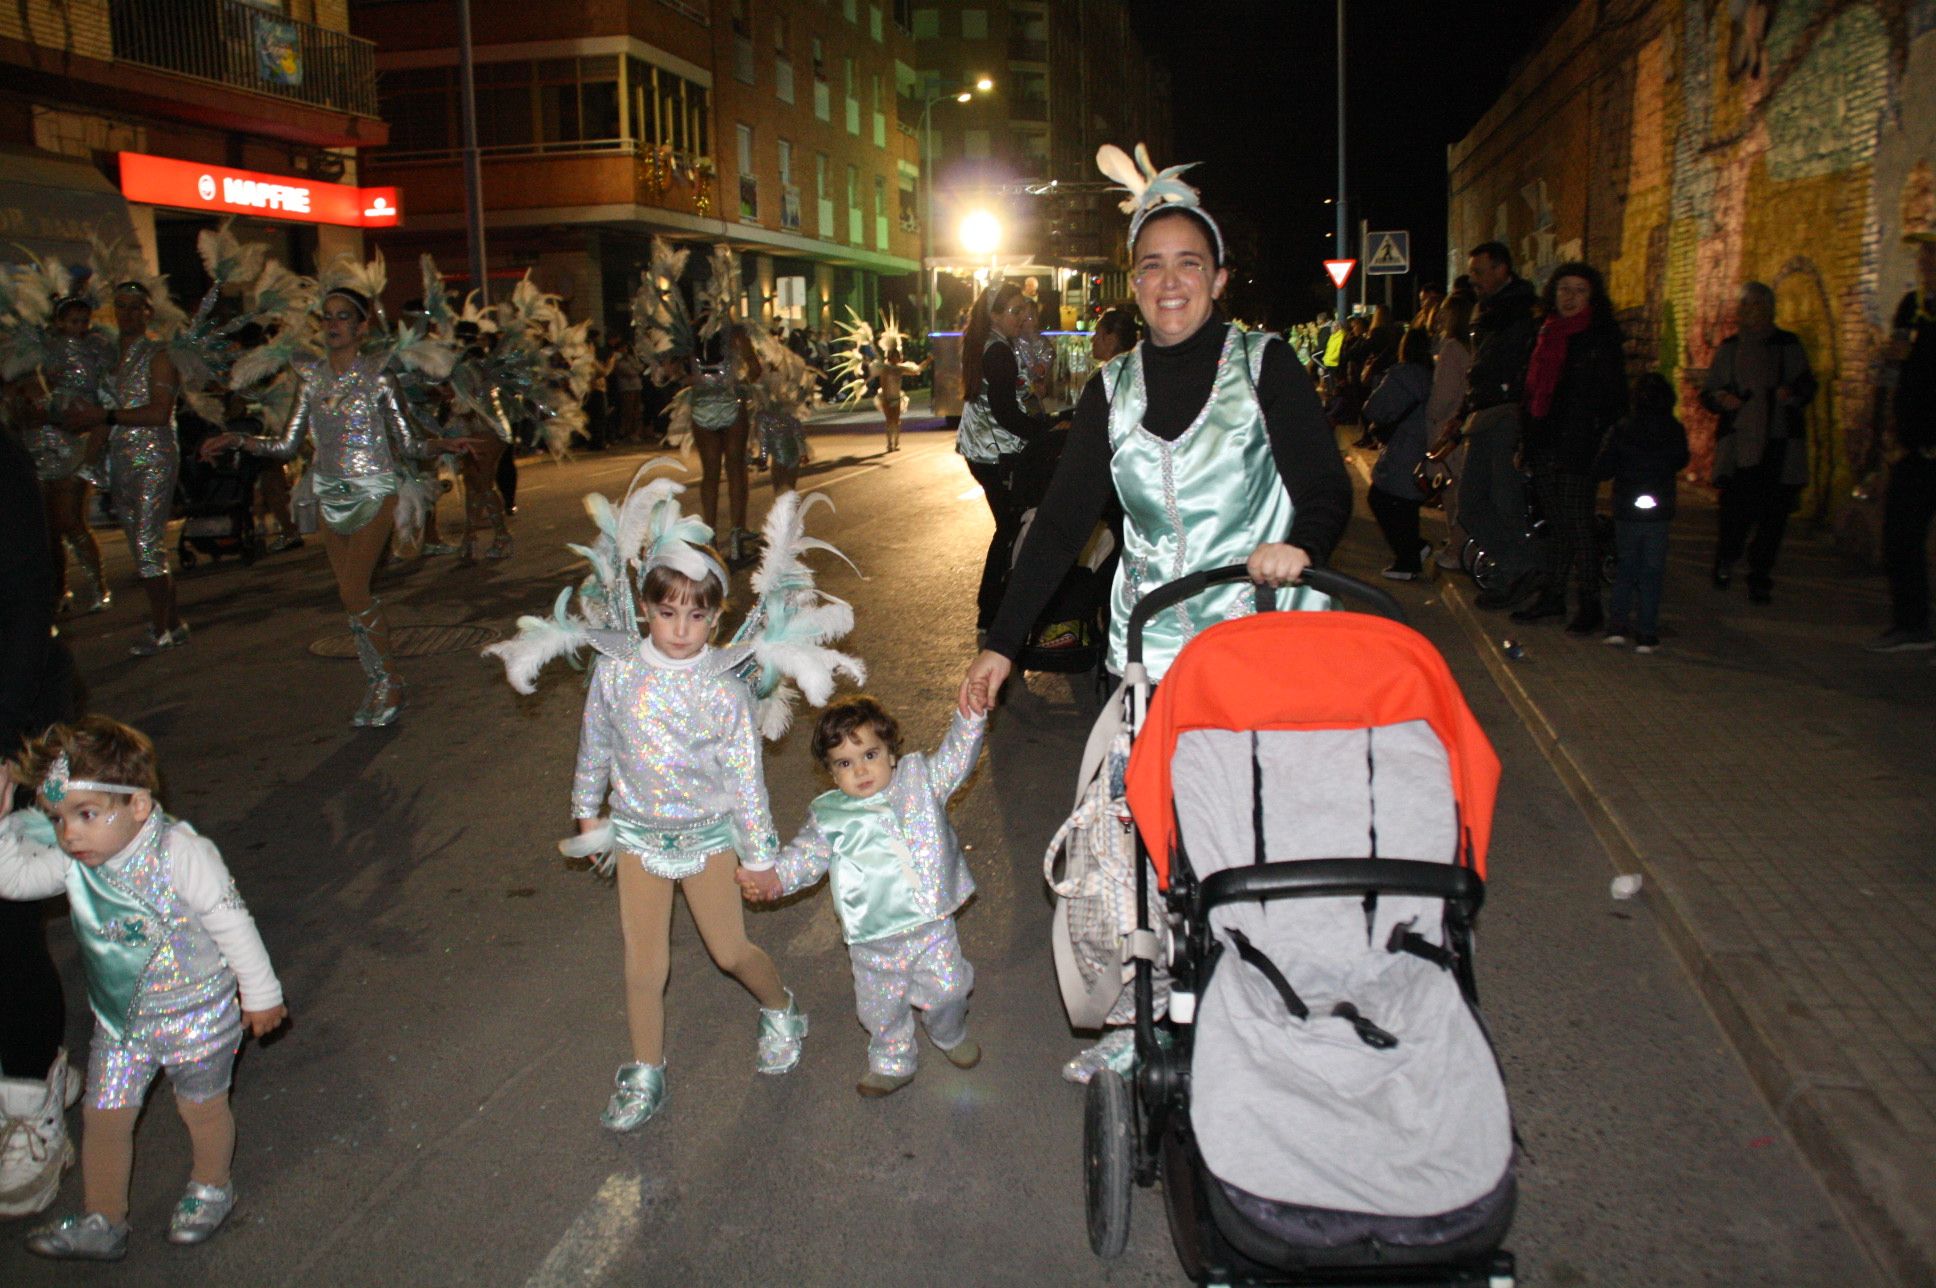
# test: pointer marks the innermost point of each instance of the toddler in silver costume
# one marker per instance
(167, 944)
(898, 876)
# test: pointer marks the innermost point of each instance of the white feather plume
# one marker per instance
(540, 641)
(227, 258)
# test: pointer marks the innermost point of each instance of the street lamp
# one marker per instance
(982, 85)
(981, 234)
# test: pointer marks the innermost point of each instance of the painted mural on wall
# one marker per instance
(1715, 142)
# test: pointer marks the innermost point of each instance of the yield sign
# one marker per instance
(1340, 270)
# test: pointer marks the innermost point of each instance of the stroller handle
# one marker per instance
(1458, 885)
(1323, 580)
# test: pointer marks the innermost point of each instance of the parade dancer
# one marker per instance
(782, 395)
(49, 337)
(877, 359)
(167, 944)
(726, 365)
(476, 412)
(364, 473)
(670, 750)
(898, 877)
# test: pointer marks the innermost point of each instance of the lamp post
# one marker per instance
(982, 86)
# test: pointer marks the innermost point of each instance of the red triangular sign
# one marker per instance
(1340, 270)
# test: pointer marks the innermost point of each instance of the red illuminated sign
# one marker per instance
(164, 181)
(1340, 270)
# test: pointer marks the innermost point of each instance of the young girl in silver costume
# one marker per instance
(365, 450)
(670, 745)
(167, 943)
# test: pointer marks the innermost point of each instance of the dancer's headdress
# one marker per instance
(60, 781)
(1151, 190)
(783, 642)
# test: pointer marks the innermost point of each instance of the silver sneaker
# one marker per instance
(641, 1093)
(81, 1238)
(200, 1212)
(782, 1033)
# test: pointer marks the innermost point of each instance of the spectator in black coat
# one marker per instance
(1492, 493)
(1643, 455)
(1576, 388)
(1911, 499)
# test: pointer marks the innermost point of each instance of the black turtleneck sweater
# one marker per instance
(1179, 380)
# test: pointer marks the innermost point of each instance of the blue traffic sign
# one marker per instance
(1388, 253)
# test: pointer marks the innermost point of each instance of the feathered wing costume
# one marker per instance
(852, 363)
(663, 333)
(782, 649)
(545, 362)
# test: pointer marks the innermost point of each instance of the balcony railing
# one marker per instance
(233, 43)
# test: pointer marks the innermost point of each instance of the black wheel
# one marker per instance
(188, 556)
(1107, 1161)
(1469, 555)
(1485, 571)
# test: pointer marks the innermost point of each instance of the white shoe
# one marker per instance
(151, 643)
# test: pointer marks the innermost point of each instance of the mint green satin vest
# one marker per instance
(871, 874)
(119, 935)
(980, 437)
(1206, 500)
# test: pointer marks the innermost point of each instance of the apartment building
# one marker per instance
(1070, 75)
(766, 124)
(153, 119)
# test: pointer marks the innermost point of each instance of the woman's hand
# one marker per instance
(986, 675)
(1276, 564)
(215, 444)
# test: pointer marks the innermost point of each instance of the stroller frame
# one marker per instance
(1141, 1133)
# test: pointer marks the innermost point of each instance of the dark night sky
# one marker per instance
(1255, 102)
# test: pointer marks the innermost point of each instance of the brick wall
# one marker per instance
(1685, 148)
(76, 26)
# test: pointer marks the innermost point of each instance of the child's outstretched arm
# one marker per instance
(32, 865)
(955, 758)
(203, 881)
(594, 772)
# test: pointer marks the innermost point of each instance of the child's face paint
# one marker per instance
(93, 827)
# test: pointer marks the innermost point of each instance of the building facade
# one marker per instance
(766, 124)
(1685, 147)
(1070, 75)
(253, 108)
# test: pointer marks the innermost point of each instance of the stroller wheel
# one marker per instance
(1107, 1161)
(1485, 571)
(187, 555)
(1469, 555)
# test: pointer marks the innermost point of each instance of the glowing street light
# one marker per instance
(981, 233)
(984, 84)
(964, 97)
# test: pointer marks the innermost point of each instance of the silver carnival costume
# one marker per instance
(143, 461)
(80, 367)
(365, 449)
(898, 875)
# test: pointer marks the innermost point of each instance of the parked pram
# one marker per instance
(1321, 1103)
(217, 498)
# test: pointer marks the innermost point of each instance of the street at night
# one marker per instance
(431, 1115)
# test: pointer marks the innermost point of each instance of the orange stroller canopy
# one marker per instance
(1308, 670)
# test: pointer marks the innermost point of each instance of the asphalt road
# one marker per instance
(431, 1118)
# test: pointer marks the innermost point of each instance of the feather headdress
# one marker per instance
(1151, 189)
(782, 650)
(227, 258)
(348, 273)
(121, 262)
(720, 296)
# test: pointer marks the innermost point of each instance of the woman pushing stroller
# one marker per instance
(1212, 439)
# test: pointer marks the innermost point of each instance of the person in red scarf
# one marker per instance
(1576, 387)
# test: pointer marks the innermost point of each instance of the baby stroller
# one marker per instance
(1484, 569)
(1322, 1103)
(218, 499)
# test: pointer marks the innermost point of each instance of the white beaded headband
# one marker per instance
(59, 782)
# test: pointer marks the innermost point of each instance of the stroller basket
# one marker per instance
(1322, 1103)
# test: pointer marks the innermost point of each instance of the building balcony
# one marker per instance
(240, 46)
(606, 173)
(1029, 107)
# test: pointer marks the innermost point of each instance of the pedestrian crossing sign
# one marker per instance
(1388, 253)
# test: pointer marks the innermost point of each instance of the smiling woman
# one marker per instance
(1211, 439)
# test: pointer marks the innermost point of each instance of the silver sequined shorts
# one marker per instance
(118, 1073)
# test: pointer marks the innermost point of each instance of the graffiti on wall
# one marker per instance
(1791, 142)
